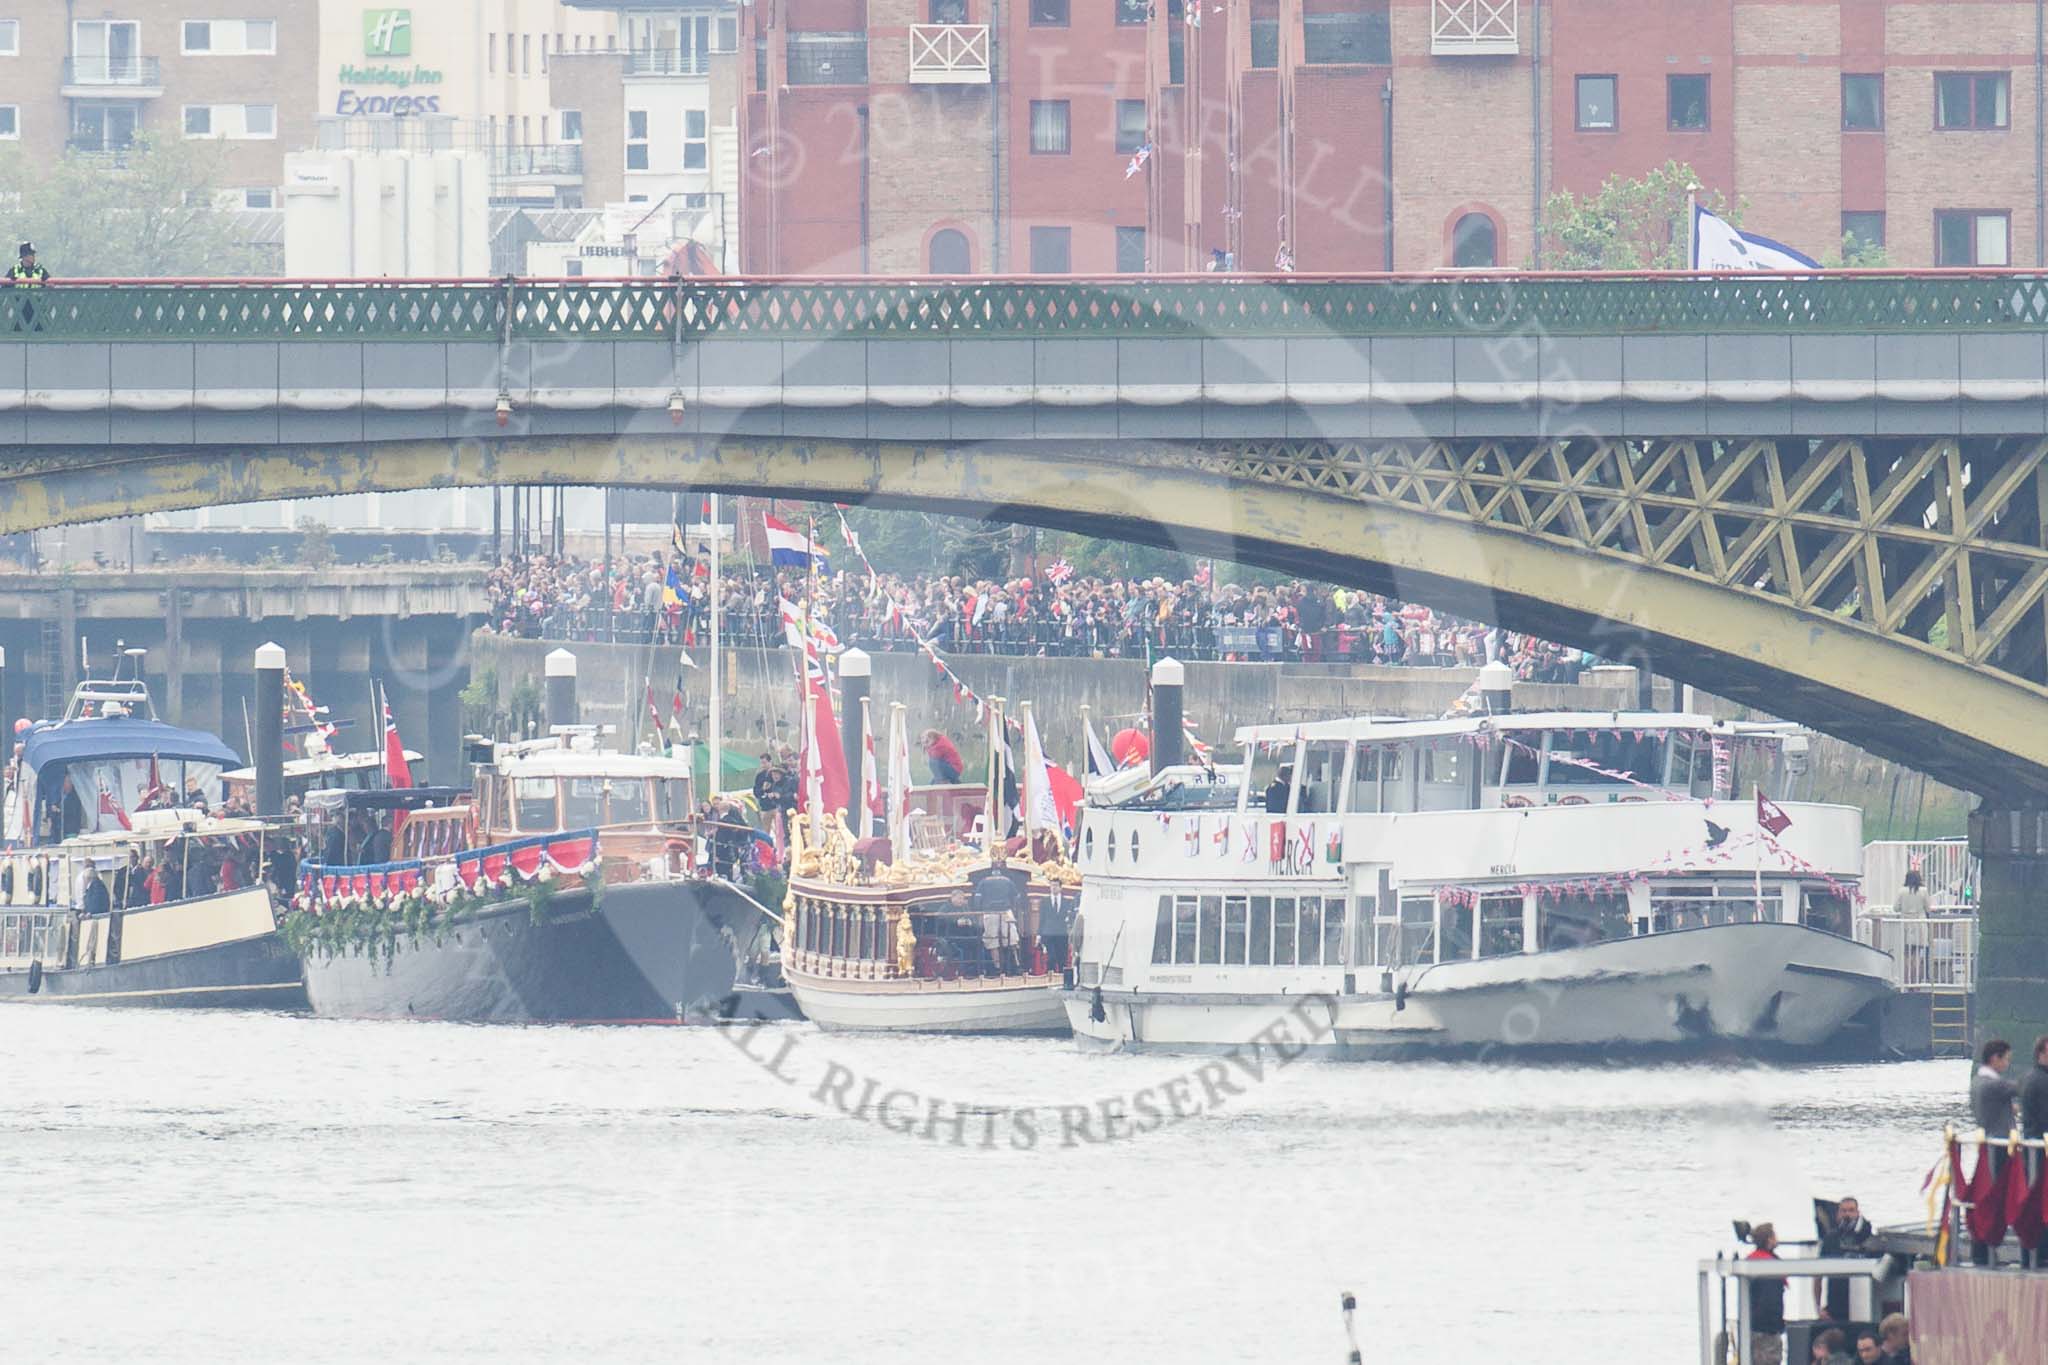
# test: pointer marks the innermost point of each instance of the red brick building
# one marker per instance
(986, 136)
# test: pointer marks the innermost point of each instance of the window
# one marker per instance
(1969, 237)
(533, 799)
(228, 37)
(1283, 932)
(1574, 920)
(1455, 942)
(1500, 925)
(636, 139)
(948, 11)
(259, 120)
(1261, 931)
(1474, 243)
(1130, 251)
(1209, 936)
(1358, 37)
(695, 157)
(572, 125)
(1866, 228)
(10, 121)
(259, 199)
(726, 35)
(1308, 938)
(575, 268)
(198, 120)
(1416, 940)
(948, 253)
(491, 52)
(1184, 929)
(526, 54)
(1233, 931)
(1051, 250)
(1333, 931)
(1133, 11)
(1051, 134)
(1265, 43)
(1862, 104)
(1130, 125)
(1685, 103)
(1972, 100)
(10, 37)
(1048, 13)
(1598, 97)
(828, 59)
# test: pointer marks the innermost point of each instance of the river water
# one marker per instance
(209, 1187)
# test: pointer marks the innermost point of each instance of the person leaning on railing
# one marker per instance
(1912, 901)
(26, 274)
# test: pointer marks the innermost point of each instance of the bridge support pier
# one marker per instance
(2012, 924)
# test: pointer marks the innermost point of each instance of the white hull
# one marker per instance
(1003, 1005)
(1764, 987)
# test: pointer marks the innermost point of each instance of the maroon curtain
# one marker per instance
(2027, 1209)
(1988, 1213)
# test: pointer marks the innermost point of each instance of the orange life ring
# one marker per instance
(1515, 801)
(1571, 801)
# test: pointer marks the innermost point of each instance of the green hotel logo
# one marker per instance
(387, 33)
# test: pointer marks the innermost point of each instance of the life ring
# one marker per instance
(1571, 801)
(1633, 798)
(1515, 801)
(35, 884)
(35, 975)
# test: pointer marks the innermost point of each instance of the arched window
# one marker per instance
(1473, 243)
(949, 254)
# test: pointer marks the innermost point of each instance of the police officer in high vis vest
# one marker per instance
(26, 275)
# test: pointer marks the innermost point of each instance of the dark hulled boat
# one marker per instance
(560, 890)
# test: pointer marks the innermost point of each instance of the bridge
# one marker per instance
(1821, 495)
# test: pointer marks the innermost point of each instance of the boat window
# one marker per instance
(1456, 943)
(1822, 908)
(1417, 941)
(1500, 925)
(1266, 761)
(1309, 938)
(1614, 750)
(1576, 920)
(1261, 931)
(1444, 764)
(1698, 905)
(534, 799)
(673, 794)
(629, 801)
(1162, 932)
(1367, 932)
(583, 802)
(1233, 930)
(1283, 931)
(1212, 930)
(1184, 929)
(1333, 931)
(1322, 767)
(1365, 779)
(1523, 766)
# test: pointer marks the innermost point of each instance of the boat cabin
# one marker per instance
(1513, 761)
(106, 761)
(644, 805)
(996, 923)
(323, 772)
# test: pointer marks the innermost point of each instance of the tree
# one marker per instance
(149, 210)
(1857, 254)
(1630, 224)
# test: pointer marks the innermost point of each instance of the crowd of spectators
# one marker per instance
(570, 599)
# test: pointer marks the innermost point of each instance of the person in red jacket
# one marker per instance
(941, 757)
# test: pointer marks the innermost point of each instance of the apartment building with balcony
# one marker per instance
(657, 120)
(94, 79)
(975, 136)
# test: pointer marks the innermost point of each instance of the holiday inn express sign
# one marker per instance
(387, 33)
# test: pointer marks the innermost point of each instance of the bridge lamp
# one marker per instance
(504, 409)
(675, 407)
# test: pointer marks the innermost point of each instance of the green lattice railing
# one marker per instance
(653, 310)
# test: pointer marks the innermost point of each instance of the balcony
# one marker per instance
(949, 54)
(666, 61)
(561, 160)
(1474, 28)
(126, 77)
(828, 59)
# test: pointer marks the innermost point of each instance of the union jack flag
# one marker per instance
(1059, 571)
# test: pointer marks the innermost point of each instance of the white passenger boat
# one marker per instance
(1555, 880)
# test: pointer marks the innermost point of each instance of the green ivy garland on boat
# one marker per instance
(368, 927)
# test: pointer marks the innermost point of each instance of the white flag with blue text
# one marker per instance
(1719, 245)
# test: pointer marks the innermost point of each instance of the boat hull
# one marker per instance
(1750, 988)
(1009, 1005)
(641, 955)
(252, 973)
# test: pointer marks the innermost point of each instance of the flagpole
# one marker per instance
(1692, 226)
(1026, 788)
(717, 755)
(1756, 809)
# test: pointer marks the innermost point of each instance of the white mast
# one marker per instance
(899, 783)
(717, 756)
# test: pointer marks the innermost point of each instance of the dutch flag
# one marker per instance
(788, 546)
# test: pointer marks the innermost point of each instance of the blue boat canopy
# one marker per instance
(80, 741)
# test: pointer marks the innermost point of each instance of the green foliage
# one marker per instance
(316, 545)
(524, 708)
(1857, 254)
(363, 930)
(1629, 224)
(479, 698)
(146, 211)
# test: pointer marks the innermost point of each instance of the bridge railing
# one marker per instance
(1188, 306)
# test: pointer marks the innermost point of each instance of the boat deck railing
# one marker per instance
(1928, 952)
